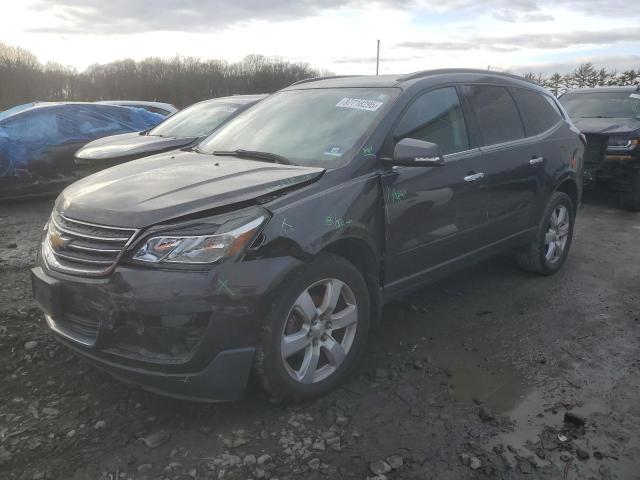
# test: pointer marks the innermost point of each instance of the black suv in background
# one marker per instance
(273, 245)
(610, 119)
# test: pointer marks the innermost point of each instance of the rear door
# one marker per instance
(514, 164)
(434, 214)
(543, 125)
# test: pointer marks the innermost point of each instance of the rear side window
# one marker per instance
(496, 112)
(39, 126)
(538, 112)
(436, 117)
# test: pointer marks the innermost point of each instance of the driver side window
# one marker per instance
(436, 117)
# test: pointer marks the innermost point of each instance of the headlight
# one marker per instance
(623, 142)
(228, 240)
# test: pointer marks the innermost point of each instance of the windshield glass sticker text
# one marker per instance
(359, 104)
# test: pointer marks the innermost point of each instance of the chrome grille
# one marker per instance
(77, 247)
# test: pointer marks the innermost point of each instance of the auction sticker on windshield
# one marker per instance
(359, 104)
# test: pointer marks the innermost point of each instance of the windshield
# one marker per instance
(197, 120)
(319, 127)
(602, 104)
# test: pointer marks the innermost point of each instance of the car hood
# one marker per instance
(163, 187)
(129, 146)
(607, 126)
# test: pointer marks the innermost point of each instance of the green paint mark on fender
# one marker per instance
(336, 222)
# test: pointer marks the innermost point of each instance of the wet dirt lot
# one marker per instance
(492, 373)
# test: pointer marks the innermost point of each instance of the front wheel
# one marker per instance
(549, 249)
(316, 330)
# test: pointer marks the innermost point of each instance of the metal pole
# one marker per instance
(378, 58)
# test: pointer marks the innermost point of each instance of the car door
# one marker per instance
(550, 151)
(511, 168)
(433, 214)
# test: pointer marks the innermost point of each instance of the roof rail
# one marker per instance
(426, 73)
(313, 79)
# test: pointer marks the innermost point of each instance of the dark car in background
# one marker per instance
(181, 130)
(38, 142)
(273, 245)
(610, 119)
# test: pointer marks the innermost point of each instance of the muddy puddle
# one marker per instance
(477, 371)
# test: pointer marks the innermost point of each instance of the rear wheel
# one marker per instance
(316, 330)
(631, 200)
(549, 249)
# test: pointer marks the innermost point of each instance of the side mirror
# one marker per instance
(410, 152)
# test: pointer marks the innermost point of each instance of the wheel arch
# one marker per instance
(570, 187)
(357, 252)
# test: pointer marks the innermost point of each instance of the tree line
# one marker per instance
(178, 80)
(585, 75)
(185, 80)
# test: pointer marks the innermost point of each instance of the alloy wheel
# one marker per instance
(319, 331)
(555, 240)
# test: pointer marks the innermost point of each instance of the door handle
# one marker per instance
(536, 160)
(474, 177)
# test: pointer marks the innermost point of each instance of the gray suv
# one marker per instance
(272, 246)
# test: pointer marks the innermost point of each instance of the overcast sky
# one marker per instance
(337, 35)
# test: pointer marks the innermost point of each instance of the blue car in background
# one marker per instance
(38, 142)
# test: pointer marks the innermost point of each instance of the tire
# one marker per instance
(631, 200)
(535, 256)
(283, 374)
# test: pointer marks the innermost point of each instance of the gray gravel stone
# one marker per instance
(264, 459)
(395, 461)
(379, 467)
(156, 439)
(50, 412)
(582, 454)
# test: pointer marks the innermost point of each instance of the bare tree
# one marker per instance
(178, 80)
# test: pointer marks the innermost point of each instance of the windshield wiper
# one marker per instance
(266, 156)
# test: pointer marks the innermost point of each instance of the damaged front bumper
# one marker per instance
(610, 166)
(181, 333)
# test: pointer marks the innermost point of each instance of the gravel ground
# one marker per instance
(492, 373)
